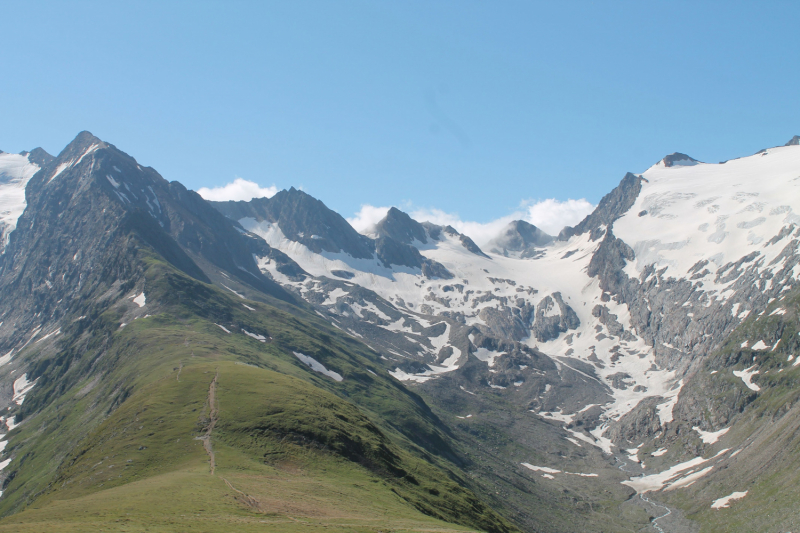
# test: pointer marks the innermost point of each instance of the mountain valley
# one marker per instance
(169, 363)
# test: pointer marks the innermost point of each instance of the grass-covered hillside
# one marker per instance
(198, 416)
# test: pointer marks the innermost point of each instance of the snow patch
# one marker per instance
(316, 366)
(487, 356)
(558, 416)
(234, 292)
(21, 388)
(726, 500)
(15, 172)
(710, 437)
(652, 482)
(547, 470)
(256, 336)
(747, 376)
(665, 409)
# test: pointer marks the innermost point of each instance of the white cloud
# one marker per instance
(551, 216)
(367, 217)
(238, 189)
(480, 232)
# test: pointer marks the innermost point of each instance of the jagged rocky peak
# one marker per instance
(38, 156)
(304, 219)
(794, 141)
(95, 193)
(677, 159)
(76, 151)
(401, 227)
(520, 239)
(611, 207)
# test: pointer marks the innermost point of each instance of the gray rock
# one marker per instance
(548, 323)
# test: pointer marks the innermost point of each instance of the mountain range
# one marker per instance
(169, 363)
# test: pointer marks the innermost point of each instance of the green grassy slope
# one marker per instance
(110, 432)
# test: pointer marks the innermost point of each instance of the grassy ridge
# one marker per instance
(123, 432)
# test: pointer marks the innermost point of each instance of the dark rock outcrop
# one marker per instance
(553, 317)
(611, 207)
(677, 158)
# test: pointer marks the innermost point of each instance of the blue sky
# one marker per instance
(466, 107)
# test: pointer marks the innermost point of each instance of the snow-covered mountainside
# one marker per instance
(630, 300)
(15, 172)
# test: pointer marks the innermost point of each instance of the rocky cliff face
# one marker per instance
(88, 211)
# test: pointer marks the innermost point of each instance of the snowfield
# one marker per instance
(15, 172)
(687, 221)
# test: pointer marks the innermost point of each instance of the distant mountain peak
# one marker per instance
(677, 159)
(38, 156)
(794, 141)
(401, 227)
(520, 238)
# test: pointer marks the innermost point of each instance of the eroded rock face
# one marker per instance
(553, 317)
(503, 323)
(643, 422)
(611, 207)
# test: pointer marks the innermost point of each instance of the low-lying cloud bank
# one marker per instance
(551, 216)
(238, 189)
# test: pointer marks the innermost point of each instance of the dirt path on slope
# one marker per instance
(212, 415)
(244, 498)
